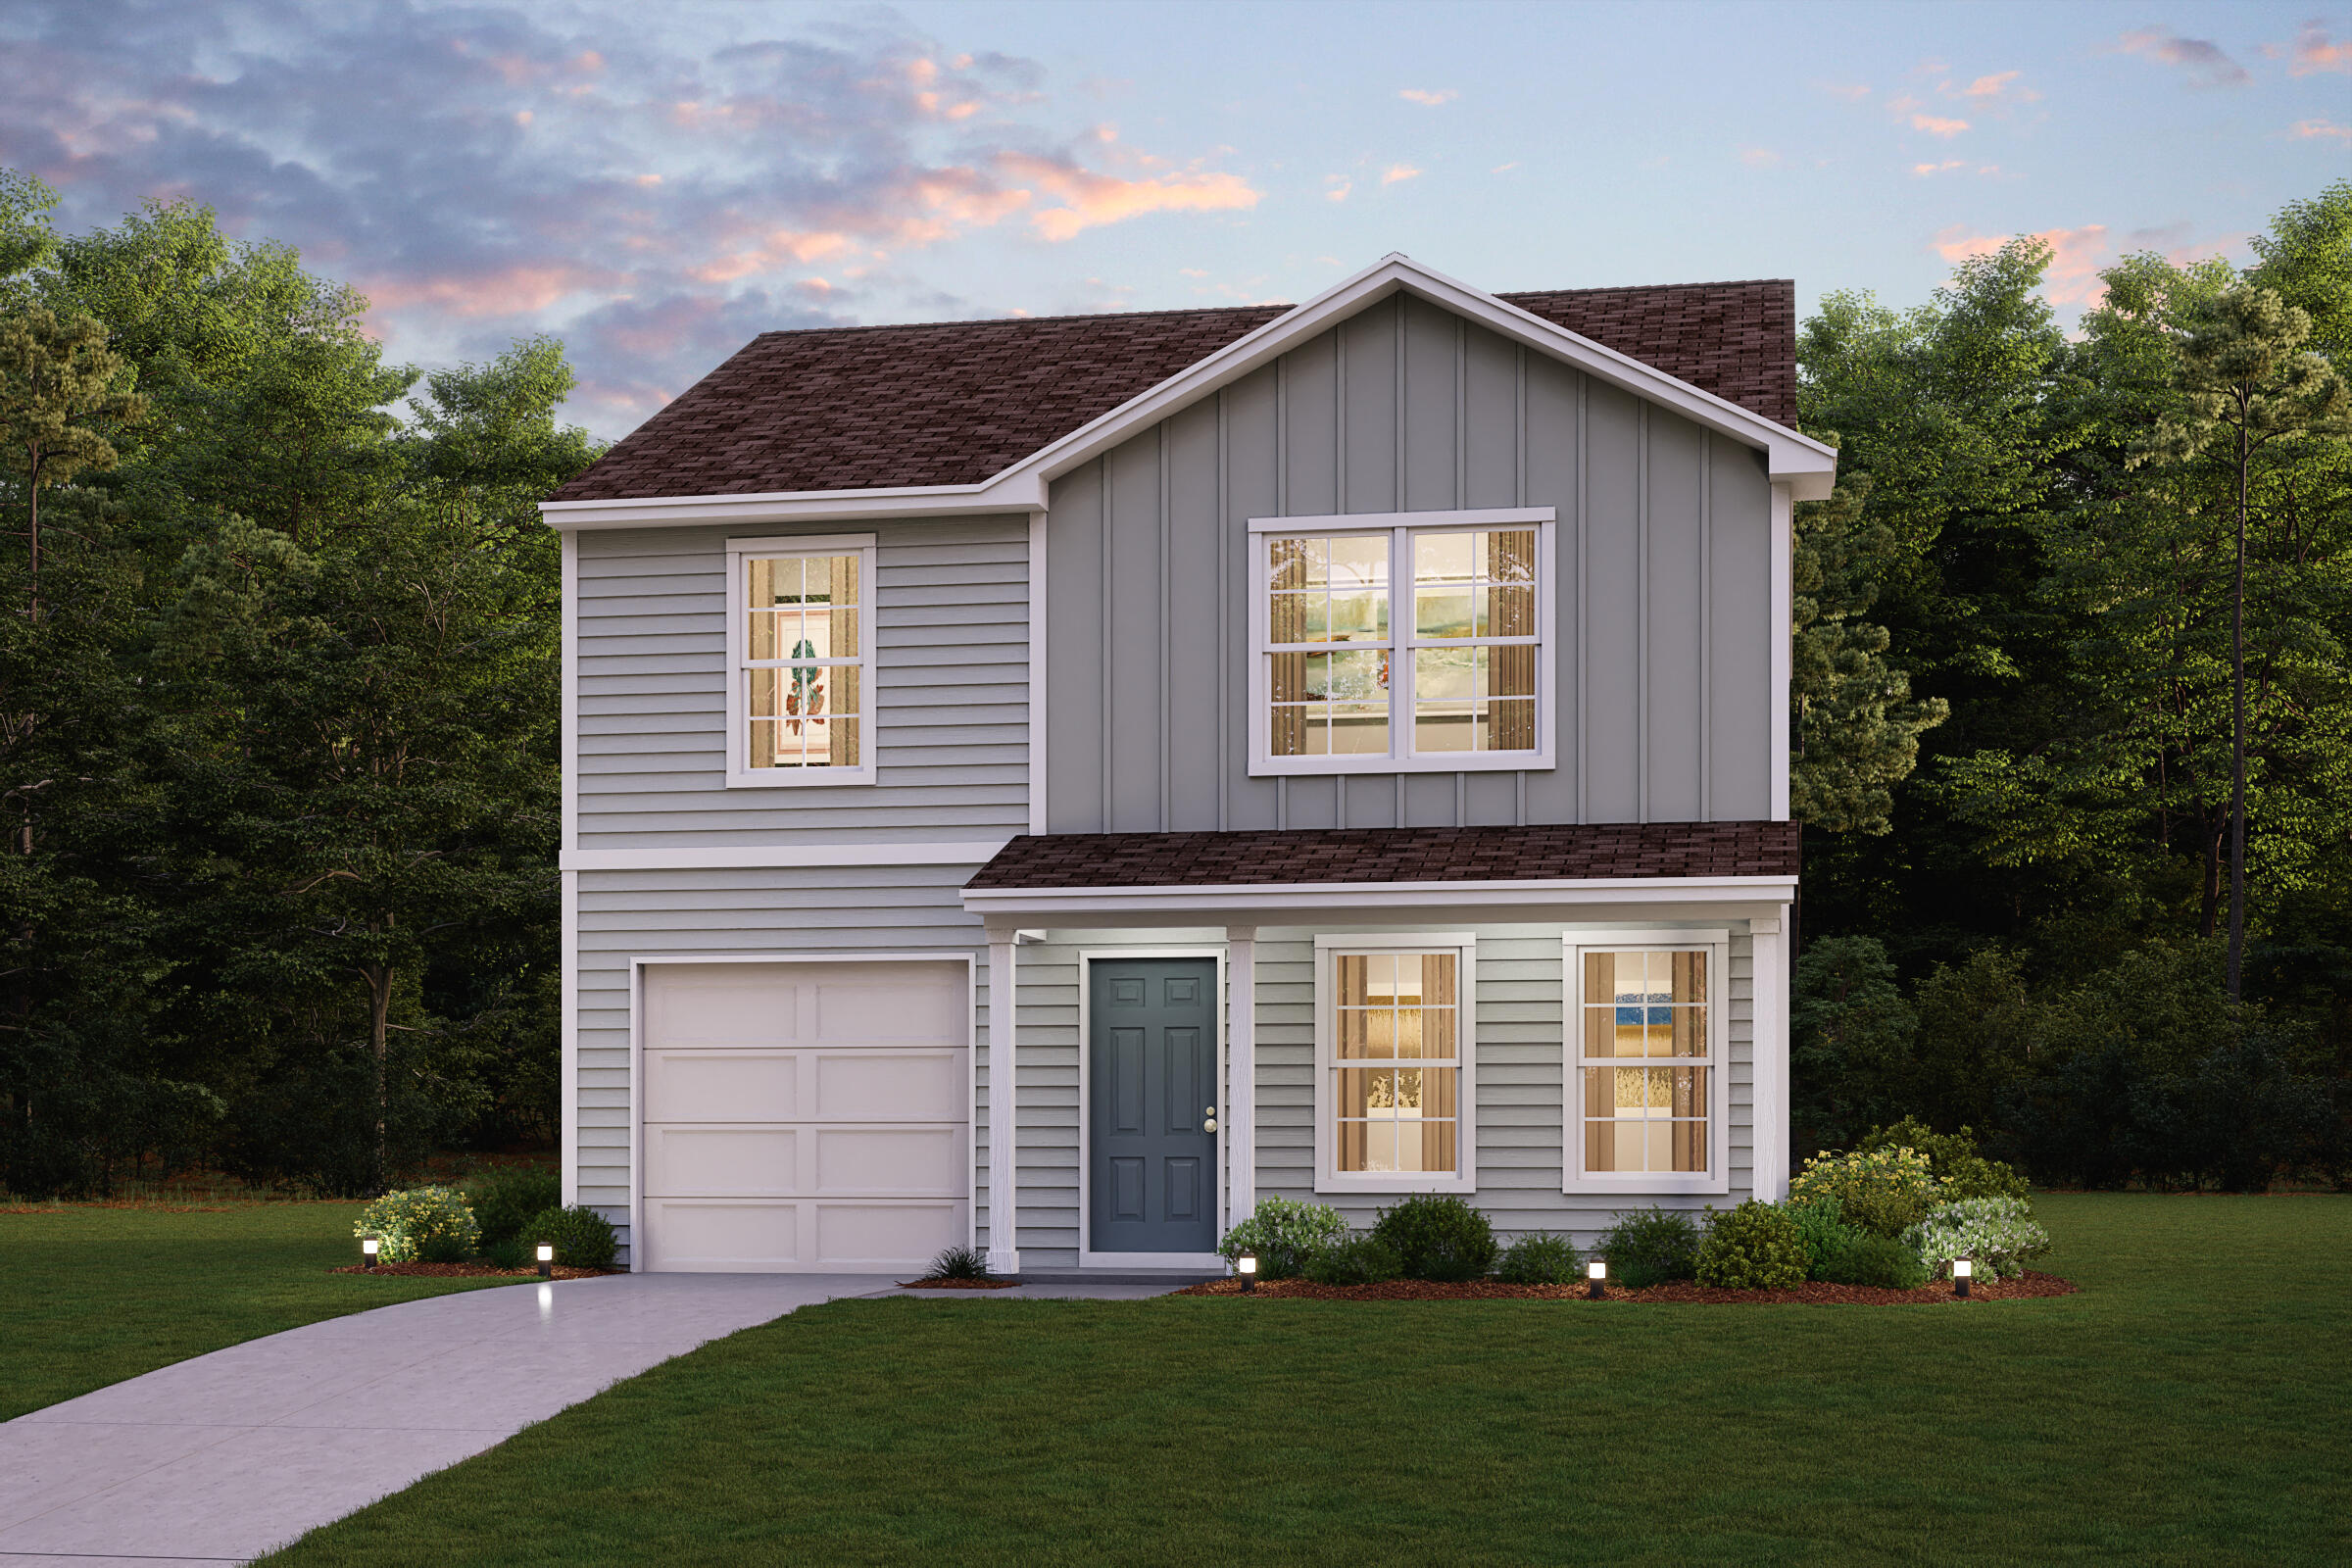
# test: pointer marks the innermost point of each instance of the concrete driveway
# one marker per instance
(221, 1457)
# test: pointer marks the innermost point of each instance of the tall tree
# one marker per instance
(58, 384)
(2245, 385)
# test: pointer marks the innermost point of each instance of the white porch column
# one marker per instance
(1003, 1117)
(1241, 1072)
(1770, 1025)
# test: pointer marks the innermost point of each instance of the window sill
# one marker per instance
(801, 778)
(1393, 1186)
(1464, 762)
(1645, 1184)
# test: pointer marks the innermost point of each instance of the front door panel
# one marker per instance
(1151, 1067)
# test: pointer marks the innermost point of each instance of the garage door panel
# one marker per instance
(891, 1161)
(752, 1238)
(885, 1084)
(885, 1236)
(723, 1086)
(697, 1161)
(723, 1004)
(872, 1006)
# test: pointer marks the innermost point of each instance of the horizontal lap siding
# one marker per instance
(835, 912)
(950, 624)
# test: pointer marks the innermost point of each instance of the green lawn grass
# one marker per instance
(2192, 1405)
(91, 1296)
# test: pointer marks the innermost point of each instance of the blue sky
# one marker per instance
(657, 182)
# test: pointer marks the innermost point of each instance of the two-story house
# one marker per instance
(1045, 784)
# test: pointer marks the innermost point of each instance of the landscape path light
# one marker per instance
(1962, 1271)
(1596, 1274)
(547, 1260)
(367, 1246)
(1247, 1267)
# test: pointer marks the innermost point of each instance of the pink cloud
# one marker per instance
(1851, 92)
(2076, 254)
(1396, 174)
(2208, 65)
(1937, 126)
(2321, 131)
(2315, 51)
(780, 247)
(1089, 200)
(1426, 98)
(1759, 158)
(1946, 166)
(1339, 188)
(498, 291)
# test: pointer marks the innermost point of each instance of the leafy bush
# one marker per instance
(423, 1224)
(1996, 1234)
(1362, 1258)
(1652, 1246)
(509, 1254)
(1438, 1238)
(959, 1263)
(1858, 1257)
(583, 1238)
(506, 1199)
(1541, 1258)
(1952, 1159)
(1821, 1226)
(1882, 1190)
(1284, 1234)
(1755, 1246)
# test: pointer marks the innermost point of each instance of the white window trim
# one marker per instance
(1399, 525)
(1717, 1178)
(740, 775)
(1465, 943)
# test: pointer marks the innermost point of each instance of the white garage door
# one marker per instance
(805, 1116)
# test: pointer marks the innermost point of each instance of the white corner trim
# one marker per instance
(1038, 669)
(569, 618)
(1783, 633)
(1809, 466)
(777, 858)
(569, 1032)
(1768, 1054)
(1003, 1106)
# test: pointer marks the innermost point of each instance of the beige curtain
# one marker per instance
(1511, 561)
(1286, 623)
(844, 631)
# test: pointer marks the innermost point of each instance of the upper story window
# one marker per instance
(799, 643)
(1402, 642)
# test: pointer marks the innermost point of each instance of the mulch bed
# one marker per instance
(459, 1271)
(958, 1285)
(1813, 1292)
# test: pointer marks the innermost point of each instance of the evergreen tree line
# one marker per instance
(278, 717)
(280, 781)
(2104, 917)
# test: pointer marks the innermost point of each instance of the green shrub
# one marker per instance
(421, 1224)
(1952, 1158)
(1821, 1226)
(1882, 1191)
(959, 1263)
(1651, 1247)
(1859, 1257)
(1363, 1259)
(506, 1199)
(1752, 1248)
(583, 1238)
(1541, 1258)
(1284, 1234)
(1439, 1238)
(1996, 1234)
(509, 1254)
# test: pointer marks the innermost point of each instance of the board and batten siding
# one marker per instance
(950, 620)
(1663, 565)
(836, 913)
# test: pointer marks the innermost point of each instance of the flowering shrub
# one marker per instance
(1996, 1234)
(1953, 1157)
(1752, 1248)
(1879, 1190)
(1284, 1234)
(422, 1224)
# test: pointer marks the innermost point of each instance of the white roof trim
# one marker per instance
(1807, 466)
(1330, 897)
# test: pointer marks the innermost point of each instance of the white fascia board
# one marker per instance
(775, 858)
(1806, 465)
(1328, 898)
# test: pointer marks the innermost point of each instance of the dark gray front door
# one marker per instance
(1151, 1070)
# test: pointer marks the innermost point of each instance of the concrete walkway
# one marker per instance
(221, 1457)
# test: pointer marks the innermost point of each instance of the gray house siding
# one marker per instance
(1662, 692)
(847, 912)
(951, 629)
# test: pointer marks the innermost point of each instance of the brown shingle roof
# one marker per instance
(1579, 851)
(954, 403)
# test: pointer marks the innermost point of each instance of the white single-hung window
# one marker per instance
(801, 663)
(1646, 1088)
(1394, 642)
(1393, 1026)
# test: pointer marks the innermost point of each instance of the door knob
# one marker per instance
(1209, 1126)
(1210, 1111)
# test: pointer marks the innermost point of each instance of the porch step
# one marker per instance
(1106, 1276)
